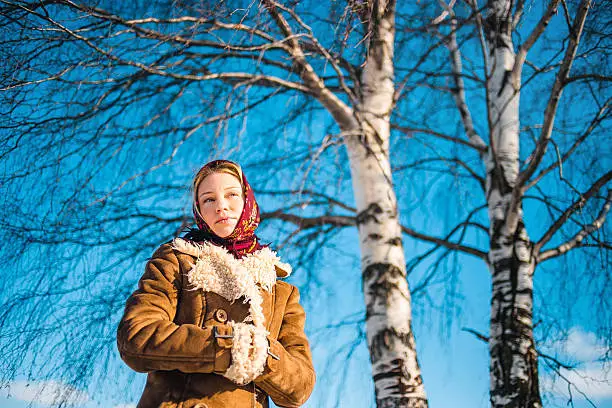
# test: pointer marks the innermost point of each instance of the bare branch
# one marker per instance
(478, 335)
(555, 365)
(445, 243)
(602, 114)
(316, 45)
(342, 113)
(350, 221)
(311, 222)
(51, 77)
(555, 361)
(466, 223)
(555, 96)
(215, 24)
(572, 208)
(459, 91)
(307, 192)
(577, 239)
(446, 160)
(410, 130)
(531, 40)
(587, 230)
(484, 51)
(447, 10)
(239, 78)
(587, 77)
(518, 13)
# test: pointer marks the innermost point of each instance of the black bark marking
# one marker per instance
(379, 280)
(397, 241)
(503, 263)
(383, 278)
(369, 214)
(402, 402)
(375, 237)
(498, 182)
(505, 81)
(389, 374)
(405, 384)
(384, 339)
(380, 271)
(494, 27)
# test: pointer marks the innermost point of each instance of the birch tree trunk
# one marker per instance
(395, 368)
(513, 358)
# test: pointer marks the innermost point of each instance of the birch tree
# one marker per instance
(513, 255)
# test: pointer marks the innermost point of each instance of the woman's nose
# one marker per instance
(222, 205)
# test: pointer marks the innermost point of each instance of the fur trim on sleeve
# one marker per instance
(249, 353)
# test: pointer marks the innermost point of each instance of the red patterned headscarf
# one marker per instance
(242, 240)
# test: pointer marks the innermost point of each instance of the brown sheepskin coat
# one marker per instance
(214, 331)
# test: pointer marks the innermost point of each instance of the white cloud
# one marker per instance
(125, 406)
(584, 346)
(591, 377)
(46, 392)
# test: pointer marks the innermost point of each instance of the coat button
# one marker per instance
(221, 315)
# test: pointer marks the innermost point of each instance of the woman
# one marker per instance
(210, 322)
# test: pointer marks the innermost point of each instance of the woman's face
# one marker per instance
(220, 201)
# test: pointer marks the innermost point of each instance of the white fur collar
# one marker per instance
(216, 269)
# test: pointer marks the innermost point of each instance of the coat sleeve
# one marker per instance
(289, 375)
(147, 337)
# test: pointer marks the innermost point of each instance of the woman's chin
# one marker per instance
(223, 231)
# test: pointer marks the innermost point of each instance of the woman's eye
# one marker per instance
(207, 200)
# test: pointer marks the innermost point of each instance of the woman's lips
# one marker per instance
(224, 221)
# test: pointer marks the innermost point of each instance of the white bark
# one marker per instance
(513, 359)
(395, 369)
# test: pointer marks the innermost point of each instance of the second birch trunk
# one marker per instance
(513, 358)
